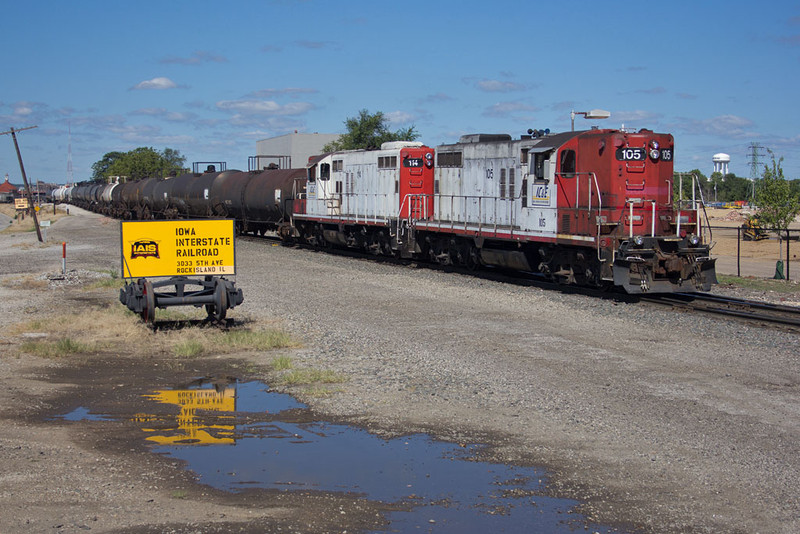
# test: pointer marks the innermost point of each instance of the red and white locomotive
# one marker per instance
(591, 208)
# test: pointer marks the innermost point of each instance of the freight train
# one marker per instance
(592, 208)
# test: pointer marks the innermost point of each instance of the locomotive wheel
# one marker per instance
(149, 309)
(473, 258)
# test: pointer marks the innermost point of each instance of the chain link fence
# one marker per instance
(760, 252)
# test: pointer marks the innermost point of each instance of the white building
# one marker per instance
(291, 151)
(721, 163)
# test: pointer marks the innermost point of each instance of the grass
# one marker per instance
(189, 348)
(26, 225)
(25, 282)
(760, 284)
(113, 281)
(113, 328)
(298, 377)
(258, 339)
(281, 363)
(56, 349)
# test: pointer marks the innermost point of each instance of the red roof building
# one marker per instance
(7, 187)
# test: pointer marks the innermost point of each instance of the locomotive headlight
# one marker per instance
(429, 156)
(638, 240)
(654, 152)
(694, 240)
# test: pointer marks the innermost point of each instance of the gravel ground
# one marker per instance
(665, 421)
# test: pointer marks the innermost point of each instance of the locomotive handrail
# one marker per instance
(481, 208)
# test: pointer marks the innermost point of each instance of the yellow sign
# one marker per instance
(21, 203)
(172, 248)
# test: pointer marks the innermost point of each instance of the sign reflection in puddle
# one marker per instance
(445, 486)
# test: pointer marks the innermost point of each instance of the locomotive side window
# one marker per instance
(324, 171)
(568, 163)
(538, 167)
(338, 165)
(312, 174)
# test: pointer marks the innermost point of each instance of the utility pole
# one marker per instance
(13, 133)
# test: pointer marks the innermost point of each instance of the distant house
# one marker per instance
(8, 191)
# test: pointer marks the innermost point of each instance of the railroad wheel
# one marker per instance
(149, 298)
(472, 259)
(219, 309)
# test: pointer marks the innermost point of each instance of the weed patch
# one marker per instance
(188, 348)
(56, 349)
(115, 328)
(311, 376)
(281, 363)
(760, 284)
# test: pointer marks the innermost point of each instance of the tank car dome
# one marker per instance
(721, 158)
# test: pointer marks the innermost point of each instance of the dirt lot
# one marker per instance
(657, 421)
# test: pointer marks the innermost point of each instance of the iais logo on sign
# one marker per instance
(144, 249)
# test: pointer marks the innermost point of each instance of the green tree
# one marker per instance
(139, 163)
(100, 168)
(685, 178)
(736, 188)
(777, 204)
(368, 131)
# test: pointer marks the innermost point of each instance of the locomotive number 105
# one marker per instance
(640, 154)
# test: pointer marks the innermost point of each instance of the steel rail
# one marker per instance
(750, 310)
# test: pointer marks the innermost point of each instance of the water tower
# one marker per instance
(721, 163)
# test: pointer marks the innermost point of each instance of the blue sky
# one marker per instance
(211, 78)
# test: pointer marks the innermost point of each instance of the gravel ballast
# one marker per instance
(656, 419)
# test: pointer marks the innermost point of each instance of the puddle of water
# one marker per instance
(83, 414)
(445, 486)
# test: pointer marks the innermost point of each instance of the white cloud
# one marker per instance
(505, 109)
(497, 86)
(264, 107)
(201, 56)
(636, 115)
(155, 83)
(727, 126)
(400, 117)
(264, 93)
(172, 116)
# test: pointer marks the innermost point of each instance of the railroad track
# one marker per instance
(750, 310)
(779, 315)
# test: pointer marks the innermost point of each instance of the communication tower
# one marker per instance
(69, 157)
